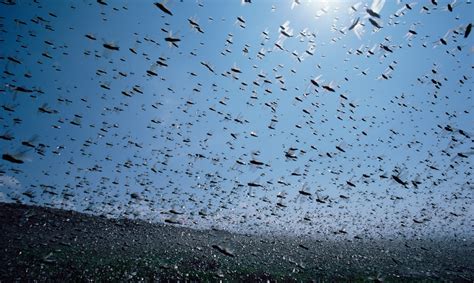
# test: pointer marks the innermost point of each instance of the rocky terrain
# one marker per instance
(51, 244)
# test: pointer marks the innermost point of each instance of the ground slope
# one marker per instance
(44, 243)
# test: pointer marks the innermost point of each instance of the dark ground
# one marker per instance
(52, 244)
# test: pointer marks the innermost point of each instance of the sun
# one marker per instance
(311, 3)
(320, 3)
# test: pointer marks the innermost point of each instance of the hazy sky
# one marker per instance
(375, 124)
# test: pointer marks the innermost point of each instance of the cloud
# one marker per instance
(60, 202)
(9, 182)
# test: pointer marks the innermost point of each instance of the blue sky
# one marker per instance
(176, 141)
